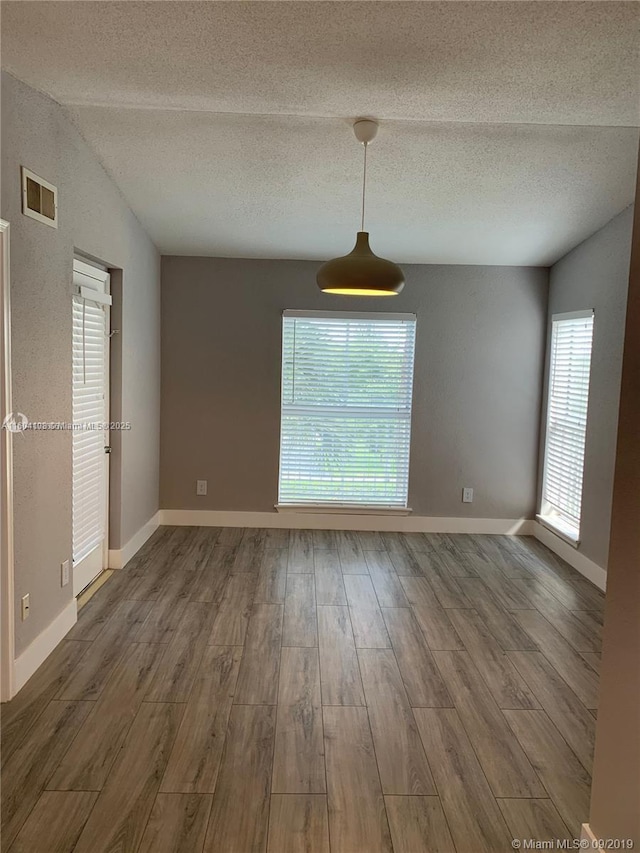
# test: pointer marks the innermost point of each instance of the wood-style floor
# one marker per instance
(248, 690)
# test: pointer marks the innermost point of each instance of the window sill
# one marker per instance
(344, 509)
(556, 528)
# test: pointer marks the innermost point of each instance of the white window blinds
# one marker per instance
(89, 408)
(346, 408)
(569, 370)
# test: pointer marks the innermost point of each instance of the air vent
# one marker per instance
(39, 199)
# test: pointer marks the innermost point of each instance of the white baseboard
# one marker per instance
(332, 521)
(587, 835)
(39, 650)
(592, 571)
(119, 559)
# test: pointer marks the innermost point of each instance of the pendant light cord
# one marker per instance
(364, 185)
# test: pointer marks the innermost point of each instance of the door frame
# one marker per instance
(7, 614)
(83, 271)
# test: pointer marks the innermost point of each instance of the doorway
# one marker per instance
(6, 479)
(91, 327)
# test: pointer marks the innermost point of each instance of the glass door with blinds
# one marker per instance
(566, 427)
(91, 303)
(347, 382)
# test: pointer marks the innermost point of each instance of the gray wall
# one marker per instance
(596, 275)
(95, 220)
(477, 395)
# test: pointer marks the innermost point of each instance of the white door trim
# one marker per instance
(88, 282)
(7, 626)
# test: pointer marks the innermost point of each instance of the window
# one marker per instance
(570, 363)
(346, 408)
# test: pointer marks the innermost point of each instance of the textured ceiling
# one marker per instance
(508, 130)
(540, 62)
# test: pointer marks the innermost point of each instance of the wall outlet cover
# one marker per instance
(467, 496)
(26, 606)
(201, 487)
(64, 573)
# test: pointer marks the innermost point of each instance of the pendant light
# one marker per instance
(361, 273)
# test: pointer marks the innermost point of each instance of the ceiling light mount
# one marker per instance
(361, 273)
(366, 130)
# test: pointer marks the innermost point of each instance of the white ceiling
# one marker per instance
(508, 130)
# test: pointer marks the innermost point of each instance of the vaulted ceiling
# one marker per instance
(508, 130)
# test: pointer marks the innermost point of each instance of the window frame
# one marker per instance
(336, 506)
(549, 515)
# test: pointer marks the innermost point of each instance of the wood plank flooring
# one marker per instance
(267, 691)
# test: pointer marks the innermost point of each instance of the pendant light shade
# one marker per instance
(361, 272)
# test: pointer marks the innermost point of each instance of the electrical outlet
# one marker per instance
(201, 487)
(64, 573)
(25, 606)
(467, 496)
